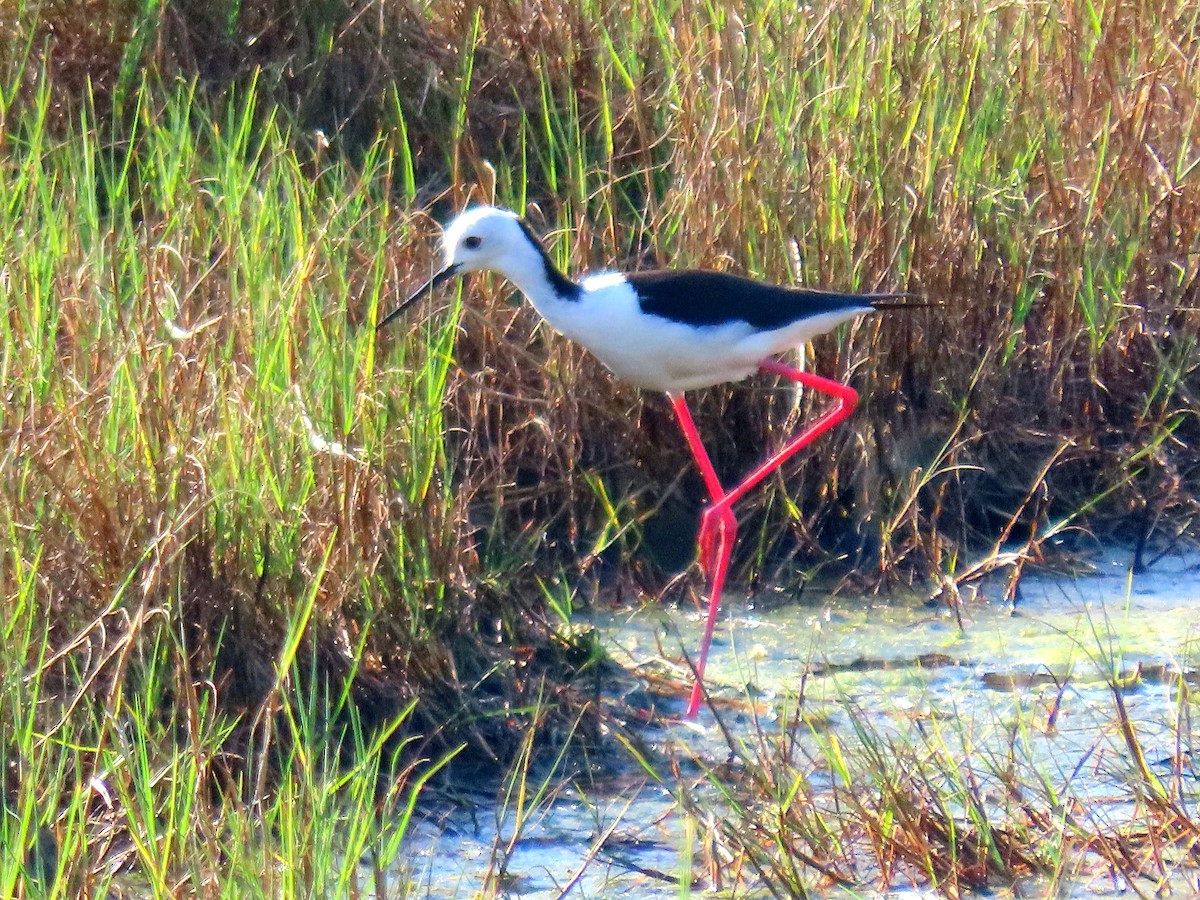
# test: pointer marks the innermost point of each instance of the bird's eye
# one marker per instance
(472, 242)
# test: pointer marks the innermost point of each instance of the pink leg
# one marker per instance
(718, 526)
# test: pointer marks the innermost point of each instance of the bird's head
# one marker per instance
(482, 239)
(485, 238)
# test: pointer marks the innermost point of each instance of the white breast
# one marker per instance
(661, 354)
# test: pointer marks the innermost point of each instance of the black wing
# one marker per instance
(715, 298)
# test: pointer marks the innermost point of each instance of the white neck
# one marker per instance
(526, 268)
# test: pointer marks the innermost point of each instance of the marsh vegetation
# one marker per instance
(265, 575)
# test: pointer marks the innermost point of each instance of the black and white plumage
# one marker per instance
(671, 331)
(662, 330)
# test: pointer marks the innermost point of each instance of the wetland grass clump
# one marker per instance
(1030, 168)
(236, 552)
(138, 785)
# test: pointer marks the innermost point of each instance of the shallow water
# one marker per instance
(902, 667)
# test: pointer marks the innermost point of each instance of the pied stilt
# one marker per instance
(671, 331)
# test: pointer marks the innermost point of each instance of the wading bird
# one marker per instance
(671, 331)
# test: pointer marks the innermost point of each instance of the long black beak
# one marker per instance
(427, 288)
